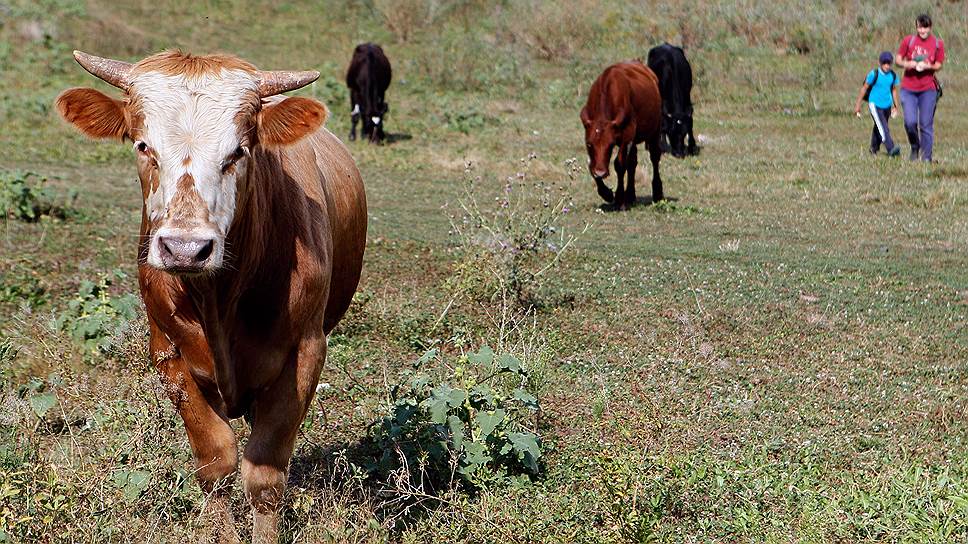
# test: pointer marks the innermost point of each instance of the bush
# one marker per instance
(480, 430)
(22, 286)
(23, 196)
(94, 318)
(466, 121)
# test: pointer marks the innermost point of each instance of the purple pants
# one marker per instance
(919, 120)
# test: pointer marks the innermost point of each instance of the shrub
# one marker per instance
(94, 317)
(480, 429)
(24, 196)
(22, 286)
(466, 121)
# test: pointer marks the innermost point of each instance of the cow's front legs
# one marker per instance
(655, 153)
(354, 119)
(604, 191)
(276, 415)
(693, 149)
(211, 438)
(632, 160)
(621, 163)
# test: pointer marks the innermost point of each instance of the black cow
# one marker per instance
(368, 77)
(675, 84)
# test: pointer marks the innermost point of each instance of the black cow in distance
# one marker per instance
(675, 85)
(368, 77)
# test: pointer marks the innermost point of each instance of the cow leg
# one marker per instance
(354, 113)
(655, 153)
(212, 439)
(693, 149)
(631, 162)
(620, 165)
(276, 415)
(604, 191)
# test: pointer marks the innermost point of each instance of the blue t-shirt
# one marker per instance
(881, 91)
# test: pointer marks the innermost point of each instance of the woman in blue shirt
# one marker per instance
(882, 101)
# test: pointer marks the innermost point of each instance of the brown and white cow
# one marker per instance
(252, 237)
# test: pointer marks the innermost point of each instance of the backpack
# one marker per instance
(937, 82)
(877, 72)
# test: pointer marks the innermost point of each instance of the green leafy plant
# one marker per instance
(25, 197)
(22, 285)
(480, 429)
(466, 121)
(94, 317)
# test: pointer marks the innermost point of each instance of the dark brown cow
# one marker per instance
(623, 109)
(252, 237)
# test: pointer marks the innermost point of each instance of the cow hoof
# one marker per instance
(352, 137)
(606, 194)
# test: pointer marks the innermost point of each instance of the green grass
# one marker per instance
(777, 356)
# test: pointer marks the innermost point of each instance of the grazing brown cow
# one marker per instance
(252, 237)
(623, 109)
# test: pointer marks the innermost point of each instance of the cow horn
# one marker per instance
(115, 72)
(280, 81)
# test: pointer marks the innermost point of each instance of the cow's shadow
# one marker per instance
(394, 137)
(639, 201)
(338, 471)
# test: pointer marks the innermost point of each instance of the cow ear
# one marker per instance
(585, 119)
(94, 113)
(621, 120)
(286, 122)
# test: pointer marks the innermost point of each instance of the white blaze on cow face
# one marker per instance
(191, 127)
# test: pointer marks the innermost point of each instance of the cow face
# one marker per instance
(601, 136)
(194, 123)
(677, 126)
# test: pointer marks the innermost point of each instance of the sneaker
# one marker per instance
(914, 155)
(872, 151)
(894, 152)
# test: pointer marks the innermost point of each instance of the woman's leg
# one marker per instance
(926, 106)
(909, 100)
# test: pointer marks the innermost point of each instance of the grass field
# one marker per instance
(778, 354)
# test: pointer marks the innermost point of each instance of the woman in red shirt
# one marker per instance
(921, 56)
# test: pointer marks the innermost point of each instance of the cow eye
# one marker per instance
(239, 152)
(141, 147)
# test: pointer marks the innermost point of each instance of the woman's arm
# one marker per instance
(904, 63)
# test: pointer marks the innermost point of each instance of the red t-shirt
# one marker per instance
(930, 50)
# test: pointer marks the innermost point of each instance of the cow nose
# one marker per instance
(180, 252)
(599, 174)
